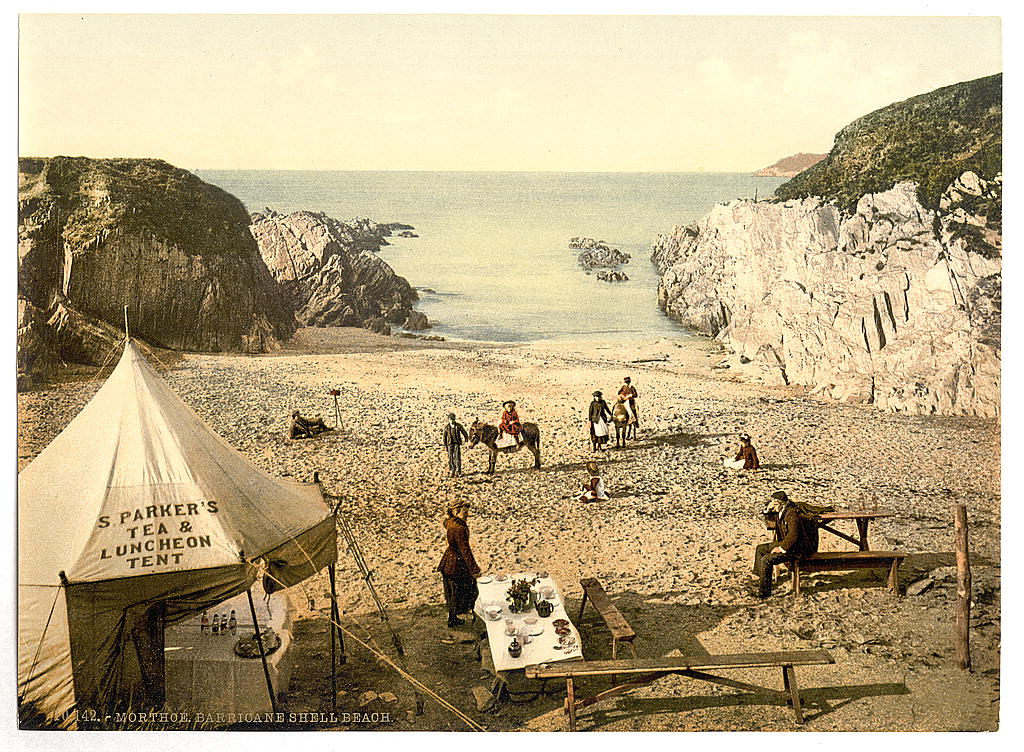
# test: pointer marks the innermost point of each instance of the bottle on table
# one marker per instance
(223, 624)
(232, 622)
(215, 629)
(204, 623)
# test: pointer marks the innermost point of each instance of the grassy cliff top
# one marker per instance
(133, 195)
(929, 139)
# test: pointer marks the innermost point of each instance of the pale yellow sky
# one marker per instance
(601, 93)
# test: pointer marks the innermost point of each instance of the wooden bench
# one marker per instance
(647, 670)
(613, 618)
(838, 561)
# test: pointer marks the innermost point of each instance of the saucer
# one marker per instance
(484, 580)
(535, 630)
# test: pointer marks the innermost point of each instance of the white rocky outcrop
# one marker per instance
(894, 305)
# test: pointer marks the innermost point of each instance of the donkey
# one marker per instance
(623, 428)
(483, 433)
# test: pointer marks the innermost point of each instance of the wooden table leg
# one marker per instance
(570, 702)
(789, 680)
(583, 605)
(862, 531)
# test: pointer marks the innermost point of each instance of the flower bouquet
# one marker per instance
(520, 596)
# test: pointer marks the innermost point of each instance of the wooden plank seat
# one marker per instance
(613, 618)
(838, 561)
(647, 670)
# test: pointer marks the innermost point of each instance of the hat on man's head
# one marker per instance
(295, 413)
(780, 495)
(597, 394)
(626, 379)
(746, 437)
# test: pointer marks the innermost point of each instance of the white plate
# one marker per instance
(484, 580)
(535, 630)
(501, 578)
(496, 617)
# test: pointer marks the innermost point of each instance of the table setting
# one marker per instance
(526, 620)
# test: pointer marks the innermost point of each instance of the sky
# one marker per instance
(449, 92)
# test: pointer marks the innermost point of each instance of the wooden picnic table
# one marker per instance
(862, 518)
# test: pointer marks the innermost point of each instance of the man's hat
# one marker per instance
(780, 495)
(746, 437)
(597, 394)
(295, 414)
(451, 416)
(626, 379)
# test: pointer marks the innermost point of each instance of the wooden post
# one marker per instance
(963, 589)
(263, 653)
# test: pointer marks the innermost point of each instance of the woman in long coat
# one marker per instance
(458, 568)
(598, 417)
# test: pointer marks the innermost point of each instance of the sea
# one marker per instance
(492, 260)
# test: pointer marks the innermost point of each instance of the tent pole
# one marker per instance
(263, 653)
(127, 338)
(331, 632)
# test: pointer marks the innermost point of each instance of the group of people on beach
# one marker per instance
(599, 415)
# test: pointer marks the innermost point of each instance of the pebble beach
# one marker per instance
(673, 544)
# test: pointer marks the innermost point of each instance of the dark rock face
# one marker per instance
(597, 254)
(612, 275)
(930, 139)
(97, 234)
(330, 271)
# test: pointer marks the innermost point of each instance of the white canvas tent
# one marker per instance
(138, 514)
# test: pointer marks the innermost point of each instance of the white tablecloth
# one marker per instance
(541, 648)
(203, 673)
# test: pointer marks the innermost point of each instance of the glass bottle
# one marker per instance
(204, 623)
(232, 622)
(215, 629)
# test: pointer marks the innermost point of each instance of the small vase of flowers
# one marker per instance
(520, 596)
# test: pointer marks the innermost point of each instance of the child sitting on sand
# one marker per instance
(593, 489)
(746, 458)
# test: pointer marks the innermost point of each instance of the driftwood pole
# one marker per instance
(963, 589)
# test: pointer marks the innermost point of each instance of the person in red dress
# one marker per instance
(510, 421)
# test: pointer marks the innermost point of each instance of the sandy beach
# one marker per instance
(672, 546)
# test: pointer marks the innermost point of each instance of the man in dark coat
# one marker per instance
(304, 428)
(452, 437)
(795, 537)
(458, 568)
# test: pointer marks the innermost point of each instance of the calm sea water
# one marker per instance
(492, 260)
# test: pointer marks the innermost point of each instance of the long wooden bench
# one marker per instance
(839, 561)
(647, 670)
(613, 618)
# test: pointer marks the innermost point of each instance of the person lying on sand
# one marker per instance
(304, 428)
(593, 489)
(746, 458)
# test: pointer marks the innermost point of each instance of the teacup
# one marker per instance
(547, 592)
(530, 620)
(510, 627)
(493, 613)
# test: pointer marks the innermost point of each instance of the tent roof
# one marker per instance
(137, 484)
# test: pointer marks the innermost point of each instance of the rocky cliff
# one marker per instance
(791, 166)
(331, 272)
(97, 234)
(894, 300)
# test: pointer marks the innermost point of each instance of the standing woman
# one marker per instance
(458, 568)
(598, 417)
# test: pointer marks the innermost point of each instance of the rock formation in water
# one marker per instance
(97, 234)
(612, 275)
(597, 254)
(895, 301)
(791, 166)
(331, 272)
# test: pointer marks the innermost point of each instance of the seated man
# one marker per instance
(304, 428)
(795, 537)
